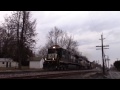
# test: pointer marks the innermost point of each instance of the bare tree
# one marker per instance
(42, 52)
(27, 33)
(20, 32)
(54, 35)
(58, 37)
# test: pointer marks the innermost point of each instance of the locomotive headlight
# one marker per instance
(45, 59)
(54, 47)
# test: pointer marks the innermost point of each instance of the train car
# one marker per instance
(61, 59)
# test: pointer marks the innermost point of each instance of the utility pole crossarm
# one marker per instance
(102, 38)
(103, 46)
(98, 46)
(98, 49)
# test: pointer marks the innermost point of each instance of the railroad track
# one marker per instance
(45, 75)
(21, 71)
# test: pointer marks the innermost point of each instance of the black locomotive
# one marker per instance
(62, 59)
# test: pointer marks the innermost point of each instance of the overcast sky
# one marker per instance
(85, 26)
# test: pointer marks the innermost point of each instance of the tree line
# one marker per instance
(117, 65)
(17, 38)
(17, 34)
(59, 37)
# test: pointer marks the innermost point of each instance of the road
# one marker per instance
(114, 75)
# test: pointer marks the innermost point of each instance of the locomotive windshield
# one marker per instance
(52, 56)
(52, 51)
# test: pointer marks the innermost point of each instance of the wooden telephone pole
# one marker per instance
(108, 60)
(102, 49)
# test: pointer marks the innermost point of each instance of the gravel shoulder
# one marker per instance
(93, 75)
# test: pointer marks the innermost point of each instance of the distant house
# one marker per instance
(8, 62)
(36, 63)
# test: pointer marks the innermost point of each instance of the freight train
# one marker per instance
(62, 59)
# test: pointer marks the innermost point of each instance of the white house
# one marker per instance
(8, 62)
(36, 63)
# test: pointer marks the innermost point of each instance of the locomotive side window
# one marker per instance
(63, 54)
(55, 56)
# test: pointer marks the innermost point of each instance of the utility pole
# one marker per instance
(108, 60)
(102, 49)
(105, 60)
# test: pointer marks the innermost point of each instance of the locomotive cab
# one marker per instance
(52, 58)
